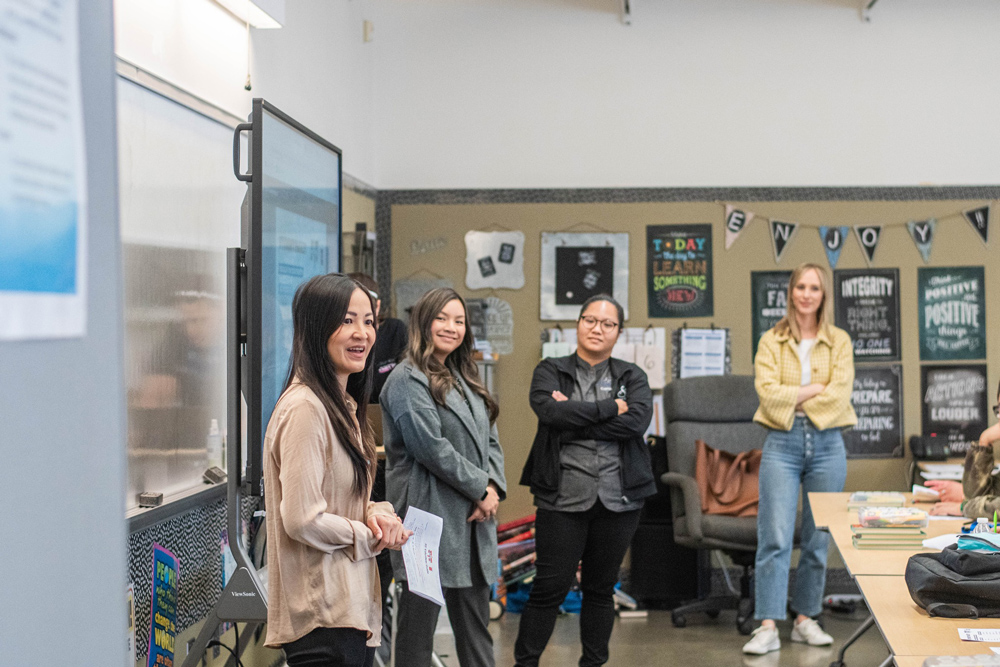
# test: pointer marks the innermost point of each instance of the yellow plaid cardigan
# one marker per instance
(779, 375)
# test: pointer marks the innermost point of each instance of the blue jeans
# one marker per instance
(817, 461)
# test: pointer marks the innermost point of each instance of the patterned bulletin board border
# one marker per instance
(194, 537)
(386, 199)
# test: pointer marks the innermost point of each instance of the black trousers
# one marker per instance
(331, 647)
(469, 614)
(599, 538)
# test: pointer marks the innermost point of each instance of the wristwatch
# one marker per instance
(485, 494)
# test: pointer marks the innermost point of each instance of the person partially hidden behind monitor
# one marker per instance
(978, 494)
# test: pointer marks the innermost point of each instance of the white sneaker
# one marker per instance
(764, 640)
(809, 632)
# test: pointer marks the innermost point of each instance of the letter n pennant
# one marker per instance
(736, 222)
(922, 232)
(869, 237)
(833, 242)
(781, 236)
(979, 218)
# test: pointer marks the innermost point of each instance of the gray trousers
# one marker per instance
(469, 613)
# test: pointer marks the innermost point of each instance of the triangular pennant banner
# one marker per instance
(869, 237)
(736, 222)
(833, 242)
(922, 232)
(979, 218)
(781, 235)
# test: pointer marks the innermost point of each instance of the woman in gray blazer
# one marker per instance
(443, 456)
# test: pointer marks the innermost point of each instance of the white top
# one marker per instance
(805, 358)
(804, 350)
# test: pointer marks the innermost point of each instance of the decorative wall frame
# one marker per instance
(576, 266)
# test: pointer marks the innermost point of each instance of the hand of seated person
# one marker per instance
(951, 491)
(946, 509)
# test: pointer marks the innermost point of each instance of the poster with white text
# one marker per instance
(952, 303)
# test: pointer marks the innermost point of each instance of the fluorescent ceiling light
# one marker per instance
(258, 13)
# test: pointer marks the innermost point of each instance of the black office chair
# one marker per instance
(718, 410)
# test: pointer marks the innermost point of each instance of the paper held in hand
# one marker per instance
(420, 554)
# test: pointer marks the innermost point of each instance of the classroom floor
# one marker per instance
(655, 641)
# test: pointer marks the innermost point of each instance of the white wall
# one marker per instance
(558, 93)
(319, 70)
(316, 68)
(194, 44)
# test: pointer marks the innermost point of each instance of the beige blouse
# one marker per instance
(321, 565)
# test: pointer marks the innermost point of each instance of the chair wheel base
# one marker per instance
(678, 620)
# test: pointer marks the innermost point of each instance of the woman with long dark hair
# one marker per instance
(443, 456)
(804, 374)
(319, 459)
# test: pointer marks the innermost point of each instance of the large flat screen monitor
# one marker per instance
(291, 234)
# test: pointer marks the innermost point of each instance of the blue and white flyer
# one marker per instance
(43, 226)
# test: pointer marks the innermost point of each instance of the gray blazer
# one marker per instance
(440, 459)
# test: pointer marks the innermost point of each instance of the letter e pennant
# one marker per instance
(736, 222)
(869, 237)
(781, 236)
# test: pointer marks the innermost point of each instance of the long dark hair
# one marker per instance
(421, 351)
(318, 310)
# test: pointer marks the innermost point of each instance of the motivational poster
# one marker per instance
(163, 624)
(878, 401)
(769, 300)
(866, 305)
(952, 304)
(954, 402)
(679, 270)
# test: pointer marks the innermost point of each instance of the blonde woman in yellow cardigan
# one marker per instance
(804, 376)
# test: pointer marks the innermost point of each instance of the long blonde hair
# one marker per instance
(421, 351)
(789, 324)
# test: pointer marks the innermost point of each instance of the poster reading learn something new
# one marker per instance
(679, 271)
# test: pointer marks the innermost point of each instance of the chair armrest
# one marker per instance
(692, 500)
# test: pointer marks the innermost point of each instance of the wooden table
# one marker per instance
(830, 512)
(907, 628)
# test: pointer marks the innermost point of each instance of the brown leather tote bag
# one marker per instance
(727, 482)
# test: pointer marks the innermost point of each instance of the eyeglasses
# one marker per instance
(591, 322)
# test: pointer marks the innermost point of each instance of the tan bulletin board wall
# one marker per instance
(429, 239)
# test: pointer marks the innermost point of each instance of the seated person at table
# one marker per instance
(979, 492)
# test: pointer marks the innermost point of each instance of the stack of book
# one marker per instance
(889, 528)
(860, 499)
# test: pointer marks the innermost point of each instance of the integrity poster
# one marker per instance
(769, 299)
(866, 305)
(878, 402)
(952, 304)
(954, 402)
(679, 270)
